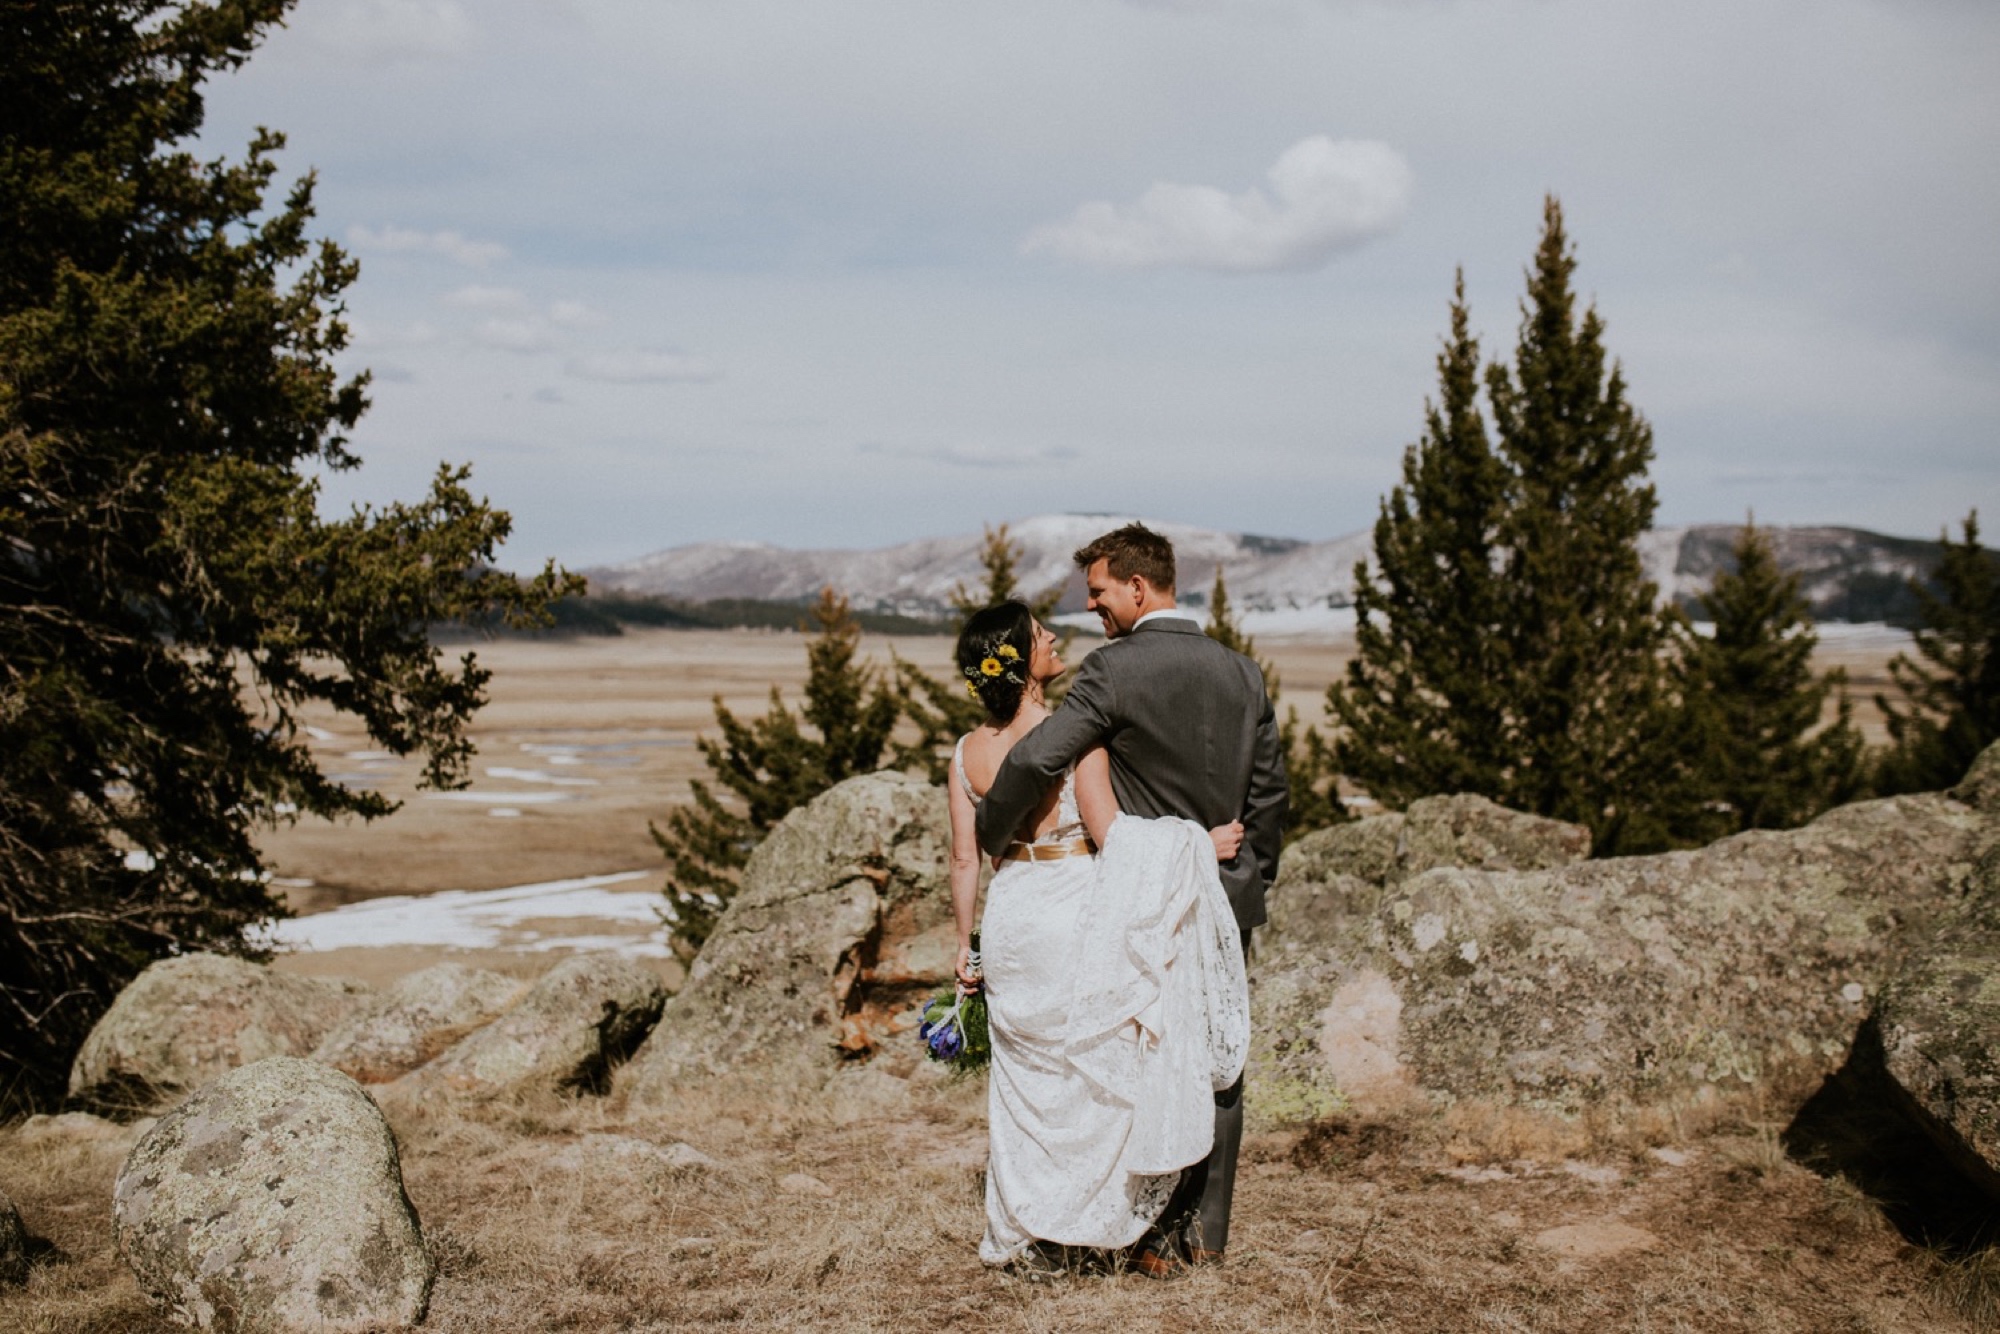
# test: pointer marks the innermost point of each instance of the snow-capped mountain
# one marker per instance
(1845, 573)
(918, 578)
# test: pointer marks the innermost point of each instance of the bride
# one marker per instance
(1114, 984)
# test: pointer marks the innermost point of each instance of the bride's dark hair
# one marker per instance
(993, 653)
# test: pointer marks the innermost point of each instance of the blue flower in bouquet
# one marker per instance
(954, 1031)
(946, 1042)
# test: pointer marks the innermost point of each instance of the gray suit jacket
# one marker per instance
(1190, 732)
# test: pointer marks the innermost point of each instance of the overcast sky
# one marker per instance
(845, 274)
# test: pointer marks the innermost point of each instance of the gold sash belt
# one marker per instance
(1047, 852)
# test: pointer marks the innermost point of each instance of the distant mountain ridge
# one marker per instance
(1846, 574)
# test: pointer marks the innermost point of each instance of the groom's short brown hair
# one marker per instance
(1133, 549)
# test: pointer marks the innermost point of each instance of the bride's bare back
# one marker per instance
(985, 747)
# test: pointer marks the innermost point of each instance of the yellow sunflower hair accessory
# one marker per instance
(991, 667)
(1009, 652)
(972, 689)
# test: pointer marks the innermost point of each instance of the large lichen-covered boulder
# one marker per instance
(186, 1020)
(415, 1020)
(272, 1200)
(567, 1032)
(1385, 850)
(13, 1244)
(1332, 881)
(1744, 965)
(1327, 1027)
(1938, 1024)
(843, 923)
(1980, 788)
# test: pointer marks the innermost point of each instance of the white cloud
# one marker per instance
(644, 368)
(475, 297)
(512, 335)
(390, 29)
(958, 456)
(1326, 195)
(454, 246)
(573, 314)
(417, 333)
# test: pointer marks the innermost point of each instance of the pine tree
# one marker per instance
(1519, 653)
(1224, 630)
(941, 711)
(1587, 651)
(1425, 707)
(1000, 556)
(1758, 757)
(771, 766)
(1950, 709)
(171, 600)
(1314, 799)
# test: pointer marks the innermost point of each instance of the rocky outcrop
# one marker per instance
(567, 1032)
(842, 926)
(1938, 1026)
(415, 1021)
(186, 1020)
(1465, 831)
(1328, 1025)
(1980, 788)
(272, 1200)
(1747, 964)
(13, 1244)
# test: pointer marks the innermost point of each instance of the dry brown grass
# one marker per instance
(1346, 1225)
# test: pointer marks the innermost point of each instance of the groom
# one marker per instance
(1190, 733)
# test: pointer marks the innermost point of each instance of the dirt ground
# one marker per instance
(821, 1215)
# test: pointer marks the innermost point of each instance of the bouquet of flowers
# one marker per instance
(954, 1028)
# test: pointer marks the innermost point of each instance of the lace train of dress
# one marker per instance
(1117, 1002)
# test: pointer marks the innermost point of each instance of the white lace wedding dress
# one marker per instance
(1117, 1002)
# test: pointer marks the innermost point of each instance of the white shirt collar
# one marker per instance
(1175, 613)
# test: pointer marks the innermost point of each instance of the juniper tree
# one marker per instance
(171, 599)
(1313, 801)
(1949, 708)
(1424, 708)
(1756, 753)
(767, 767)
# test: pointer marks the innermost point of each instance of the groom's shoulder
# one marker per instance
(1178, 640)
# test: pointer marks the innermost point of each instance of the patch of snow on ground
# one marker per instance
(502, 798)
(1312, 622)
(1864, 634)
(1852, 635)
(519, 917)
(539, 776)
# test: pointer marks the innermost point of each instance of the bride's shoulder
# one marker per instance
(979, 753)
(980, 743)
